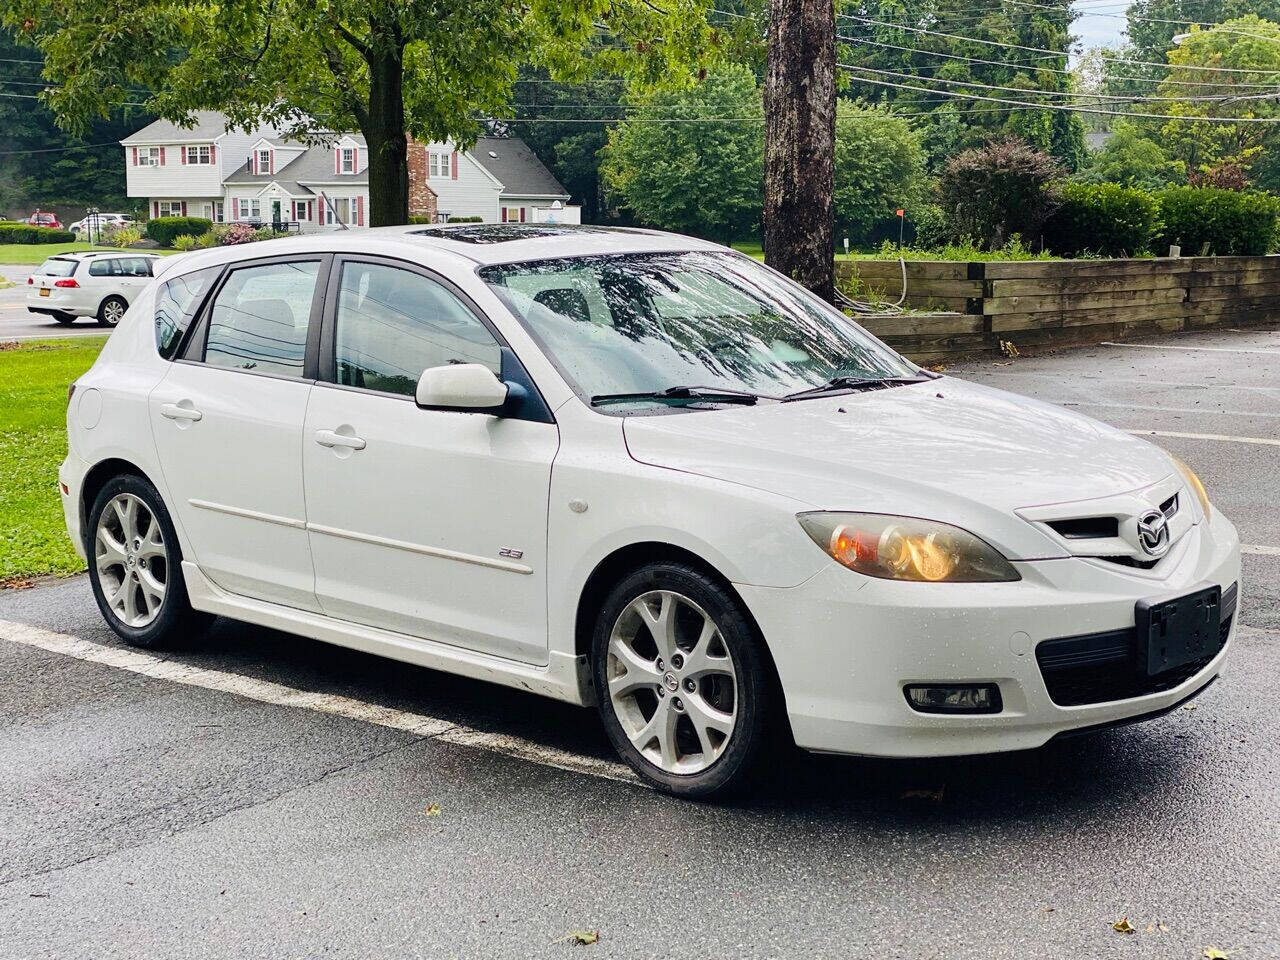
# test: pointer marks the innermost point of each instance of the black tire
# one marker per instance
(66, 319)
(758, 723)
(175, 618)
(112, 307)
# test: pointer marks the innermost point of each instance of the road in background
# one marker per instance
(146, 817)
(16, 323)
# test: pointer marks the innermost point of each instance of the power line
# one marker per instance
(1066, 108)
(1068, 93)
(1059, 53)
(1067, 73)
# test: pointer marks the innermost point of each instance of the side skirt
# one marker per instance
(564, 678)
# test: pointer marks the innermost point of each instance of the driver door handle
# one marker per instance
(174, 411)
(328, 438)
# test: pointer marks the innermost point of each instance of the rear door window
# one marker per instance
(105, 267)
(260, 318)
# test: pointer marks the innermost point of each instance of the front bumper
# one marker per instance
(846, 646)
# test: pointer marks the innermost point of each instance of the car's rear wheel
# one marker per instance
(135, 565)
(111, 311)
(684, 686)
(64, 318)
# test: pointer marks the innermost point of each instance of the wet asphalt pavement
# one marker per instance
(141, 817)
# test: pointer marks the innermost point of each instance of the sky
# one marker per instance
(1095, 30)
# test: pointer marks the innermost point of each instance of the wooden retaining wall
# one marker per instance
(1051, 303)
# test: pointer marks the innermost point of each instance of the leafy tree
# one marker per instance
(879, 168)
(41, 165)
(991, 193)
(1248, 43)
(1131, 159)
(567, 126)
(928, 59)
(430, 68)
(701, 174)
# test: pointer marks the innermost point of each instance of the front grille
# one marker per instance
(1100, 667)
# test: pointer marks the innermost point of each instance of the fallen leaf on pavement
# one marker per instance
(1189, 706)
(433, 810)
(582, 938)
(1123, 926)
(934, 795)
(1213, 953)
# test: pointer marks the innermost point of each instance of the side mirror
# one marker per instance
(461, 386)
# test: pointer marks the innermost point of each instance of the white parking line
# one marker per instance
(1259, 551)
(1205, 436)
(264, 691)
(1206, 411)
(1171, 346)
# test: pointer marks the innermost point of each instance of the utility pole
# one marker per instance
(800, 142)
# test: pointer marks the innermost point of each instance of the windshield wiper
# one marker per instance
(850, 384)
(709, 394)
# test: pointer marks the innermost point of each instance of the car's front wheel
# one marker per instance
(135, 565)
(684, 686)
(111, 311)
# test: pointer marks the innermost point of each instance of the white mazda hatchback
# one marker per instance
(642, 471)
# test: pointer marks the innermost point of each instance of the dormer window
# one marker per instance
(264, 161)
(347, 160)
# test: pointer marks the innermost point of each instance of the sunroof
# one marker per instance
(505, 232)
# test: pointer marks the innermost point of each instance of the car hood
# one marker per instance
(944, 449)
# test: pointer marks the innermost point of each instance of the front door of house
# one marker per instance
(275, 212)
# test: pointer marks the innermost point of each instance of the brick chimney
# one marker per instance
(422, 199)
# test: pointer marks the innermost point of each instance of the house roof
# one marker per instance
(313, 165)
(209, 125)
(521, 172)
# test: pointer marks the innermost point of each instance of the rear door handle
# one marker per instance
(328, 438)
(174, 411)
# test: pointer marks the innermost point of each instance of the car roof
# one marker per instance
(99, 254)
(482, 244)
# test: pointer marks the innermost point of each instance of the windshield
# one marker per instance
(645, 323)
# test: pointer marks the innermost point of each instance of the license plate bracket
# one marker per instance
(1173, 632)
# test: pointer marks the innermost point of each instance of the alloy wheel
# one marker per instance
(672, 682)
(132, 560)
(112, 312)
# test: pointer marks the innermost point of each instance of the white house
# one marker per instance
(260, 177)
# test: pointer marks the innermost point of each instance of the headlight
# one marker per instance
(905, 548)
(1194, 483)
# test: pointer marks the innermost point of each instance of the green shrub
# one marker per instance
(1220, 222)
(186, 242)
(164, 230)
(990, 193)
(466, 219)
(25, 233)
(1102, 218)
(122, 237)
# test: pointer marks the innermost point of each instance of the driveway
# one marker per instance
(259, 795)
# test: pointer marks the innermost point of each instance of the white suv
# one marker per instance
(100, 285)
(642, 471)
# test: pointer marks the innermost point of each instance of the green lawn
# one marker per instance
(33, 441)
(32, 254)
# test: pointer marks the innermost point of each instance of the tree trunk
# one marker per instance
(800, 140)
(387, 142)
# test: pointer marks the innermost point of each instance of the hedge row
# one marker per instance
(1116, 221)
(164, 230)
(25, 233)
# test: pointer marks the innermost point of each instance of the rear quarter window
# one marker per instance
(177, 301)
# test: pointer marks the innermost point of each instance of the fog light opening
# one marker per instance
(954, 697)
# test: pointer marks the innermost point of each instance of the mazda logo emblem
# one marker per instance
(1153, 533)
